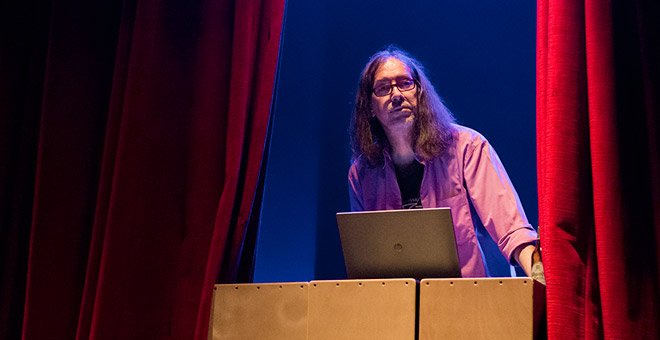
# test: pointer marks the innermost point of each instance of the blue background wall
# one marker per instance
(479, 54)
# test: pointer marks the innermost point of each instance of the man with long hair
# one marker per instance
(408, 153)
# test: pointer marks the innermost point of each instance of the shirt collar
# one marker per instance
(387, 159)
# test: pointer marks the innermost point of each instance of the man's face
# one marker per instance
(395, 110)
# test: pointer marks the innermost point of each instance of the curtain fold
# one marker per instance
(21, 84)
(597, 90)
(130, 175)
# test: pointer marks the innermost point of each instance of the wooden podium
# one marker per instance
(484, 308)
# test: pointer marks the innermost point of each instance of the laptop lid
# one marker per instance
(415, 243)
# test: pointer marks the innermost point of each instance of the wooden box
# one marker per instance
(362, 309)
(259, 311)
(483, 308)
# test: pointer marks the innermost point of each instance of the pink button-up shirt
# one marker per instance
(468, 169)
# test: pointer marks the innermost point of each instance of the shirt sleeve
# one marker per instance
(494, 198)
(354, 189)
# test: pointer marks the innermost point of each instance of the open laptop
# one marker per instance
(415, 243)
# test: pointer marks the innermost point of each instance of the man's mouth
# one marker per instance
(400, 108)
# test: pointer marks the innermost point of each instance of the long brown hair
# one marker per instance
(432, 130)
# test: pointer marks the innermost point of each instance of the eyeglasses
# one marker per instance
(404, 85)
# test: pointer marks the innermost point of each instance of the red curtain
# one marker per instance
(131, 137)
(598, 96)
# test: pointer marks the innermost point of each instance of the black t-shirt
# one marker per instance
(409, 178)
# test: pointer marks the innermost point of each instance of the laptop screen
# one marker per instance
(416, 243)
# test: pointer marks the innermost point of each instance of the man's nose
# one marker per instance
(396, 91)
(397, 96)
